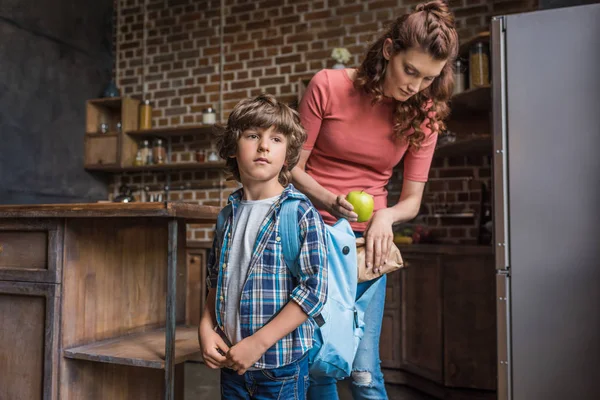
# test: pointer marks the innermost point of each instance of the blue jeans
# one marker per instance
(367, 378)
(289, 382)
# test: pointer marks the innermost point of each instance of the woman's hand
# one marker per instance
(340, 207)
(379, 238)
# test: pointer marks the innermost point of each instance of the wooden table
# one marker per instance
(92, 300)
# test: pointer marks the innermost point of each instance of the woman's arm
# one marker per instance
(336, 205)
(379, 235)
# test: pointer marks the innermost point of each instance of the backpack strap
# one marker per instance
(290, 239)
(222, 219)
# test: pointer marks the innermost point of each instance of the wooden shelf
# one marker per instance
(139, 350)
(108, 102)
(472, 101)
(462, 147)
(176, 131)
(193, 166)
(463, 50)
(109, 134)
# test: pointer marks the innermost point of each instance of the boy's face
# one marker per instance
(261, 154)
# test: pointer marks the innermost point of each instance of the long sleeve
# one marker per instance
(311, 291)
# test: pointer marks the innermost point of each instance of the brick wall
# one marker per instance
(169, 51)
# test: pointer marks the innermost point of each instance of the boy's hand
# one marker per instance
(244, 354)
(213, 348)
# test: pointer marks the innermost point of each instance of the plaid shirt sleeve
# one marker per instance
(212, 264)
(311, 291)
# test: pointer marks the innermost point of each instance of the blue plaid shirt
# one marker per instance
(269, 284)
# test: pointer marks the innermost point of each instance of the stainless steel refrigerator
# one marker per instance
(546, 128)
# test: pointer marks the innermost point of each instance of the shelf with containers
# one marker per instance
(468, 126)
(117, 128)
(106, 144)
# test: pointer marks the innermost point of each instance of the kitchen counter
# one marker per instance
(101, 288)
(450, 249)
(189, 212)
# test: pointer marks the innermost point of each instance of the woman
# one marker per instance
(360, 124)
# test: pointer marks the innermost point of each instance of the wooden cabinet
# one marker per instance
(391, 334)
(440, 336)
(106, 144)
(93, 300)
(421, 312)
(30, 267)
(31, 251)
(196, 285)
(28, 340)
(102, 150)
(469, 322)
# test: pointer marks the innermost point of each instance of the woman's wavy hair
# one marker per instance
(431, 28)
(262, 112)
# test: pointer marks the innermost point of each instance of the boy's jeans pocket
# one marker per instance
(284, 383)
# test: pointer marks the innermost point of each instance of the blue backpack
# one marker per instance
(341, 321)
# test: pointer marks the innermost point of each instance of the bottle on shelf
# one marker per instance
(146, 115)
(144, 153)
(200, 156)
(159, 153)
(479, 65)
(459, 77)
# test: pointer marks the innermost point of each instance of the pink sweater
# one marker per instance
(352, 142)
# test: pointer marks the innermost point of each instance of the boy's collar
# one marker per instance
(288, 192)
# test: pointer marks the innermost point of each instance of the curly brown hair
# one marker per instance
(431, 28)
(262, 112)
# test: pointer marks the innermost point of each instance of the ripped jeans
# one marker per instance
(367, 379)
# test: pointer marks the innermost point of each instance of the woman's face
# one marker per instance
(408, 72)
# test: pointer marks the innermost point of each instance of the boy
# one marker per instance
(255, 324)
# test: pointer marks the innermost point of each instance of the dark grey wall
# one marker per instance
(54, 55)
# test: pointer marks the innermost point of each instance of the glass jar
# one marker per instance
(145, 152)
(200, 156)
(209, 116)
(103, 128)
(479, 65)
(139, 160)
(146, 115)
(213, 156)
(159, 153)
(459, 77)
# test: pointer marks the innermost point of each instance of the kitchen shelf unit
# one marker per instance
(115, 151)
(114, 148)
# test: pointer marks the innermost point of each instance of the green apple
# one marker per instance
(363, 204)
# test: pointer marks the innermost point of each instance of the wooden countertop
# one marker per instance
(451, 249)
(187, 211)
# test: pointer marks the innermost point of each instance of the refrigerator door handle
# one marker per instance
(499, 123)
(501, 239)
